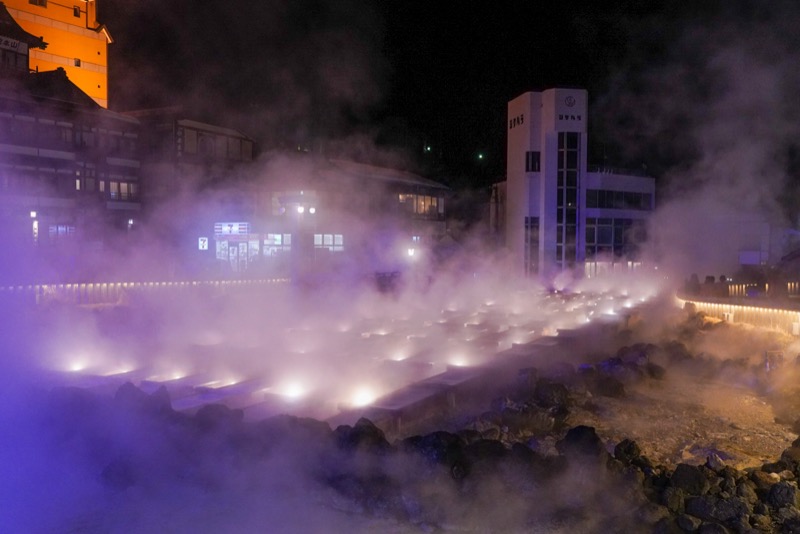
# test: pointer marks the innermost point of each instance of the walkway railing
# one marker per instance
(779, 314)
(115, 292)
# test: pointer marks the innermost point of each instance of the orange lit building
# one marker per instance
(76, 42)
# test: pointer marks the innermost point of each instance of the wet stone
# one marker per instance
(782, 494)
(690, 479)
(713, 508)
(688, 522)
(581, 440)
(627, 451)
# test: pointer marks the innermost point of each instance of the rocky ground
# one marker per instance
(690, 427)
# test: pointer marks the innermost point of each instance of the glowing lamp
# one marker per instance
(312, 210)
(301, 209)
(33, 214)
(362, 397)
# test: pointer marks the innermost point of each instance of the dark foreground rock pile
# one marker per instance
(523, 465)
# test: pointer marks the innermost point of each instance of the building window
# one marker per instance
(331, 242)
(531, 245)
(77, 62)
(532, 161)
(42, 3)
(567, 201)
(421, 206)
(621, 200)
(60, 232)
(76, 11)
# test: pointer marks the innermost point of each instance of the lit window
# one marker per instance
(77, 184)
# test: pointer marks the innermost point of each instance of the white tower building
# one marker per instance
(559, 213)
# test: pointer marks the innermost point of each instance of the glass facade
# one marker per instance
(613, 237)
(531, 245)
(567, 192)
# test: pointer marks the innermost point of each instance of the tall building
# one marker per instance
(559, 214)
(69, 169)
(76, 41)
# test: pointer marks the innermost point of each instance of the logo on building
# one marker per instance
(519, 120)
(567, 117)
(569, 101)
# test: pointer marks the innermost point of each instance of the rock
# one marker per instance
(745, 490)
(763, 481)
(548, 393)
(581, 441)
(606, 386)
(782, 494)
(130, 397)
(712, 528)
(297, 431)
(655, 371)
(668, 525)
(215, 416)
(791, 457)
(691, 479)
(441, 448)
(363, 436)
(673, 499)
(761, 522)
(714, 462)
(626, 451)
(688, 523)
(711, 508)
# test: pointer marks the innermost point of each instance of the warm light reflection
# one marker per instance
(362, 396)
(292, 390)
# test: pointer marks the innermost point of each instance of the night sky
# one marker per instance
(373, 79)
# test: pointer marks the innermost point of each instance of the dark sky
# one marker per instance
(367, 79)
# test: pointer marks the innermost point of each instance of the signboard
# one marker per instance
(231, 228)
(202, 243)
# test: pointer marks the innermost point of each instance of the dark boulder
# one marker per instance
(581, 441)
(691, 479)
(548, 393)
(627, 451)
(782, 494)
(213, 417)
(606, 386)
(363, 436)
(711, 508)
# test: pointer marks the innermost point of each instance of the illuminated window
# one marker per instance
(77, 184)
(331, 242)
(276, 244)
(60, 231)
(113, 190)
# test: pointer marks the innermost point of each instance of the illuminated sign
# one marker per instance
(231, 228)
(519, 120)
(202, 243)
(9, 44)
